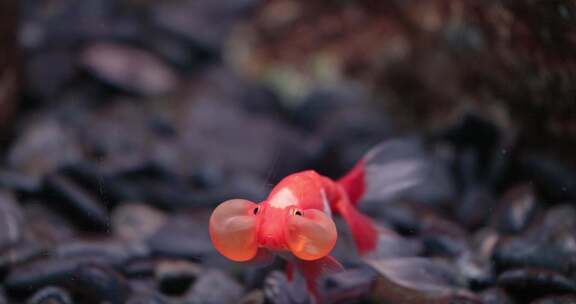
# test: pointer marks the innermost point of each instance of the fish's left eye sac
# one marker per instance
(310, 234)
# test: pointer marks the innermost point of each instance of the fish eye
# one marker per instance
(255, 211)
(297, 212)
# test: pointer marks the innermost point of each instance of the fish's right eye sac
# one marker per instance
(232, 229)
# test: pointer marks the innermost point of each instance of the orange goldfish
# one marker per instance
(295, 222)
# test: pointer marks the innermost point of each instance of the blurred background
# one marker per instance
(123, 123)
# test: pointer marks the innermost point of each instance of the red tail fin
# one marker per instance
(353, 183)
(363, 229)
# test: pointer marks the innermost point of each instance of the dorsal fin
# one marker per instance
(354, 183)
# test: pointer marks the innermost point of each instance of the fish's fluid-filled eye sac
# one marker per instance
(310, 234)
(232, 229)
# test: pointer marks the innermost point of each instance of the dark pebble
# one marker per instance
(278, 290)
(136, 221)
(476, 206)
(48, 71)
(442, 237)
(495, 296)
(418, 280)
(114, 252)
(517, 208)
(253, 297)
(147, 298)
(129, 69)
(190, 20)
(44, 145)
(403, 216)
(476, 269)
(99, 284)
(214, 287)
(557, 180)
(140, 268)
(18, 181)
(51, 271)
(3, 299)
(529, 283)
(80, 203)
(11, 219)
(176, 277)
(353, 284)
(555, 300)
(19, 254)
(50, 295)
(182, 237)
(45, 225)
(516, 253)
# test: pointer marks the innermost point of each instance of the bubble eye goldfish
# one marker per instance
(295, 221)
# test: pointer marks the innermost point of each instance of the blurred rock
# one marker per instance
(19, 254)
(476, 269)
(18, 181)
(261, 146)
(278, 290)
(547, 244)
(253, 297)
(117, 253)
(45, 226)
(50, 295)
(136, 221)
(418, 280)
(182, 237)
(147, 298)
(80, 203)
(175, 278)
(99, 284)
(495, 296)
(11, 219)
(48, 72)
(43, 145)
(193, 20)
(214, 287)
(555, 300)
(555, 178)
(128, 68)
(349, 285)
(476, 206)
(30, 277)
(517, 207)
(526, 284)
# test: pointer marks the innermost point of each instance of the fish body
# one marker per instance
(295, 222)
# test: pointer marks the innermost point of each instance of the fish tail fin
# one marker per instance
(363, 229)
(313, 270)
(353, 182)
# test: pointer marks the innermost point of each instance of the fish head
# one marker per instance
(239, 228)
